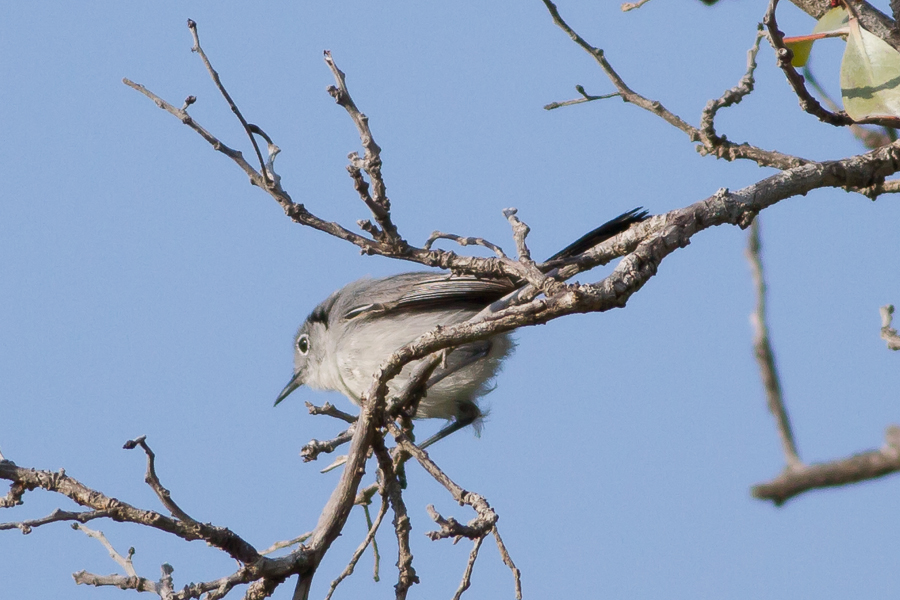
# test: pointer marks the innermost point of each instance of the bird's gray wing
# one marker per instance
(423, 291)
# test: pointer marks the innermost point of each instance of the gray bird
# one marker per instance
(346, 338)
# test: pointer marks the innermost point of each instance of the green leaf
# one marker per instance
(870, 76)
(832, 21)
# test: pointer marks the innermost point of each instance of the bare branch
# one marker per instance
(853, 469)
(219, 537)
(370, 538)
(504, 555)
(378, 203)
(231, 104)
(123, 561)
(888, 333)
(585, 97)
(55, 516)
(152, 480)
(183, 116)
(467, 575)
(376, 556)
(463, 241)
(765, 357)
(530, 272)
(286, 543)
(406, 576)
(123, 582)
(719, 146)
(329, 410)
(314, 448)
(451, 528)
(479, 526)
(732, 96)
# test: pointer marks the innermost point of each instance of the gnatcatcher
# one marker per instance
(346, 338)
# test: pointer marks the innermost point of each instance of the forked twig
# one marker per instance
(192, 25)
(863, 466)
(717, 146)
(357, 554)
(378, 202)
(585, 97)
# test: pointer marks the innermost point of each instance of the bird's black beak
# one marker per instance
(292, 385)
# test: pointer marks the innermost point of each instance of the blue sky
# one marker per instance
(148, 289)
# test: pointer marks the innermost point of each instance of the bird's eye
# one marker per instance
(303, 344)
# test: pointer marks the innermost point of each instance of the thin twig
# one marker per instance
(530, 272)
(314, 448)
(376, 555)
(123, 582)
(286, 543)
(55, 516)
(585, 97)
(734, 95)
(378, 202)
(486, 516)
(124, 561)
(357, 554)
(406, 575)
(152, 480)
(463, 241)
(329, 410)
(507, 560)
(765, 357)
(467, 574)
(192, 25)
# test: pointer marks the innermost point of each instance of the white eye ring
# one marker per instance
(303, 344)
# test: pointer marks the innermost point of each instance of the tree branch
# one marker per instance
(853, 469)
(716, 146)
(765, 357)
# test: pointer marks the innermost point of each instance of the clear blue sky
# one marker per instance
(148, 289)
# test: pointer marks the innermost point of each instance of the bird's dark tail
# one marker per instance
(604, 232)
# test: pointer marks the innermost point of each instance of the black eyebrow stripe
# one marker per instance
(321, 312)
(318, 315)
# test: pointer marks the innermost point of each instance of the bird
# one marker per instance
(348, 336)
